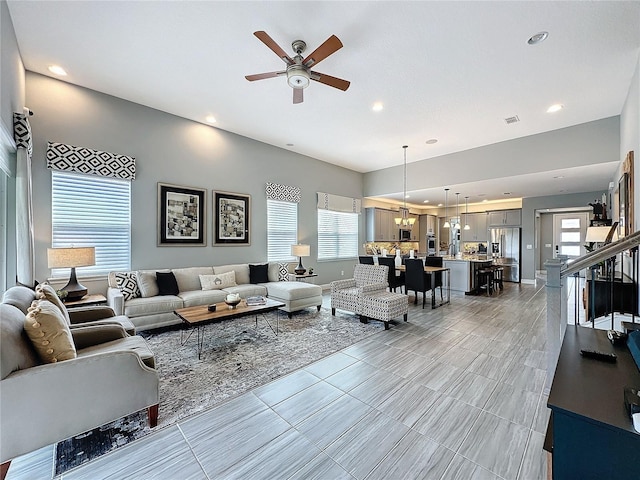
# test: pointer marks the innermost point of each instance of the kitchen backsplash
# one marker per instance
(375, 248)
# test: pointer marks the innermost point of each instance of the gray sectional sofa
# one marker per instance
(147, 309)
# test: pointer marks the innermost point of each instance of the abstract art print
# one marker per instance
(181, 215)
(231, 218)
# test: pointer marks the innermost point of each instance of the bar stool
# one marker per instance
(497, 277)
(485, 279)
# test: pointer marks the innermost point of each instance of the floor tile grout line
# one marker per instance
(192, 451)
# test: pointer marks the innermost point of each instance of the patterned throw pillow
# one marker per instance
(128, 284)
(216, 282)
(283, 272)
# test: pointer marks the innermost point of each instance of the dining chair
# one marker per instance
(416, 279)
(435, 262)
(366, 260)
(396, 279)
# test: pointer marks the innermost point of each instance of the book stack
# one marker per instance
(256, 300)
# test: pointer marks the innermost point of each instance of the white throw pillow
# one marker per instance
(216, 282)
(147, 284)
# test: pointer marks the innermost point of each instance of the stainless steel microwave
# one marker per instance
(404, 234)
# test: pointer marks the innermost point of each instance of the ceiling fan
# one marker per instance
(298, 70)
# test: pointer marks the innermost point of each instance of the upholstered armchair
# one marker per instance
(366, 279)
(101, 374)
(22, 297)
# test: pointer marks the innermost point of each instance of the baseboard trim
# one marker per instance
(528, 281)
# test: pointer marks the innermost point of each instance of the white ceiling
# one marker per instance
(446, 70)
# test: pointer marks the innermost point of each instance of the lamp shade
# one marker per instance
(599, 234)
(300, 250)
(71, 257)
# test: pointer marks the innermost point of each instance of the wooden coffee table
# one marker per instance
(200, 316)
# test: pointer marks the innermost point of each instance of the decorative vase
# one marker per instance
(398, 259)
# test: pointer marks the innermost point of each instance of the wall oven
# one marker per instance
(431, 244)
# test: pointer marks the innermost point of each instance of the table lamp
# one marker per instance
(300, 251)
(72, 257)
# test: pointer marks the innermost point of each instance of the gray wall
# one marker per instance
(586, 144)
(530, 206)
(630, 136)
(174, 150)
(12, 98)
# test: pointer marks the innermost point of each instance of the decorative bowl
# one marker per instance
(233, 303)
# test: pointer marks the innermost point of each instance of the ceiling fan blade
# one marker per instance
(260, 76)
(331, 45)
(269, 42)
(331, 81)
(297, 95)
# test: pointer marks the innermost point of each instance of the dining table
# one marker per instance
(433, 271)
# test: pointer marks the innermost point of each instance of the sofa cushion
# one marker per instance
(202, 297)
(47, 292)
(189, 278)
(167, 284)
(219, 281)
(242, 272)
(147, 283)
(138, 307)
(49, 332)
(20, 297)
(16, 350)
(293, 290)
(127, 284)
(259, 273)
(247, 290)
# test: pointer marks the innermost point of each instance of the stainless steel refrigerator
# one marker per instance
(504, 247)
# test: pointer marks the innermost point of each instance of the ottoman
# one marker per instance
(383, 306)
(295, 295)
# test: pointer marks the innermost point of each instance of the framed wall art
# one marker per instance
(231, 218)
(182, 213)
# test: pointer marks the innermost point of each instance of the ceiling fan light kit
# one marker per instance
(298, 71)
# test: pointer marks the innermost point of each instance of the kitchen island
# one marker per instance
(464, 272)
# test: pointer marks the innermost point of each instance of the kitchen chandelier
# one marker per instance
(466, 214)
(446, 209)
(457, 225)
(404, 219)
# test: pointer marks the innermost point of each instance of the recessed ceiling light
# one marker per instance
(431, 141)
(377, 107)
(556, 107)
(485, 200)
(210, 119)
(538, 38)
(407, 196)
(425, 201)
(439, 204)
(57, 70)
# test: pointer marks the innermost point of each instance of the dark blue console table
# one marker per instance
(590, 434)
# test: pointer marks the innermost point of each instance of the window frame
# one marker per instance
(281, 250)
(352, 220)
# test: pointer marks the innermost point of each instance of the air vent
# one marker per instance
(510, 120)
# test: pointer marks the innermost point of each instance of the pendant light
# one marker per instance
(466, 214)
(446, 208)
(457, 225)
(404, 220)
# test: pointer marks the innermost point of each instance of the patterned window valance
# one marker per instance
(85, 160)
(283, 193)
(336, 203)
(22, 132)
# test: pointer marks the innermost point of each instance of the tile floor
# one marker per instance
(455, 393)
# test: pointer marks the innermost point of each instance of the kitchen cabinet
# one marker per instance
(380, 226)
(501, 218)
(477, 228)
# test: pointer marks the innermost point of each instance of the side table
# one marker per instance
(94, 299)
(304, 277)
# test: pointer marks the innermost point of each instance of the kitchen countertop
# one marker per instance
(466, 259)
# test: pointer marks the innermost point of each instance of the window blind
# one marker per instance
(337, 235)
(90, 210)
(282, 230)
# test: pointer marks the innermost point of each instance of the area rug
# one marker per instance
(236, 357)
